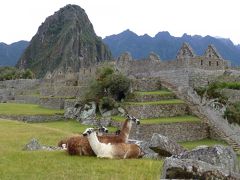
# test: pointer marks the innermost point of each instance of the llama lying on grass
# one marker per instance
(79, 145)
(63, 142)
(114, 150)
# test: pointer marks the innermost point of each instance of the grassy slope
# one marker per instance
(208, 142)
(160, 93)
(176, 119)
(26, 109)
(170, 101)
(18, 164)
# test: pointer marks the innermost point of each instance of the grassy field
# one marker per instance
(18, 164)
(26, 109)
(160, 93)
(169, 101)
(176, 119)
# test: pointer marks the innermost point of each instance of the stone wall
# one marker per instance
(177, 131)
(153, 97)
(9, 89)
(27, 99)
(51, 89)
(146, 84)
(152, 111)
(52, 102)
(185, 131)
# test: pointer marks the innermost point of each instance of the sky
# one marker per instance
(20, 19)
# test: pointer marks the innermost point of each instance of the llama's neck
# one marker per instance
(94, 142)
(100, 149)
(126, 128)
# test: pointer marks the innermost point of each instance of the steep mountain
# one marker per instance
(167, 46)
(65, 40)
(9, 54)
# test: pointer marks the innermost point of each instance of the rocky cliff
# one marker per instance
(65, 40)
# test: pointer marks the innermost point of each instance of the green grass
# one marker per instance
(69, 126)
(162, 102)
(18, 164)
(176, 119)
(160, 93)
(208, 142)
(26, 109)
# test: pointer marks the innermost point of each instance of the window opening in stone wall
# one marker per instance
(210, 63)
(201, 62)
(217, 63)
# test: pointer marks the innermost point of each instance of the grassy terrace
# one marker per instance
(160, 120)
(160, 93)
(170, 101)
(207, 142)
(26, 109)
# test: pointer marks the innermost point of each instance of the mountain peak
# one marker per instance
(163, 35)
(128, 32)
(65, 40)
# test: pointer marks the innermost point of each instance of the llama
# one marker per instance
(115, 150)
(79, 145)
(63, 142)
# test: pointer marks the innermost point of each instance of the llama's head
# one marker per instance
(88, 131)
(103, 129)
(117, 132)
(133, 119)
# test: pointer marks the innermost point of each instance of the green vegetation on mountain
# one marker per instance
(65, 40)
(9, 73)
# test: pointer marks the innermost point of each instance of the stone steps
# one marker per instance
(195, 109)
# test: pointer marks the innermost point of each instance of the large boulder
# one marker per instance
(165, 146)
(218, 155)
(32, 145)
(174, 168)
(88, 111)
(73, 112)
(148, 153)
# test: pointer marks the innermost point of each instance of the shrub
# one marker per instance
(108, 87)
(232, 113)
(107, 103)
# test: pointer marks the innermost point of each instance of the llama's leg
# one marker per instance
(126, 155)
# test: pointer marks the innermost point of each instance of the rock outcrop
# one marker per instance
(165, 146)
(65, 40)
(174, 168)
(218, 155)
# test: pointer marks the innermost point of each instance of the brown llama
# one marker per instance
(114, 150)
(79, 145)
